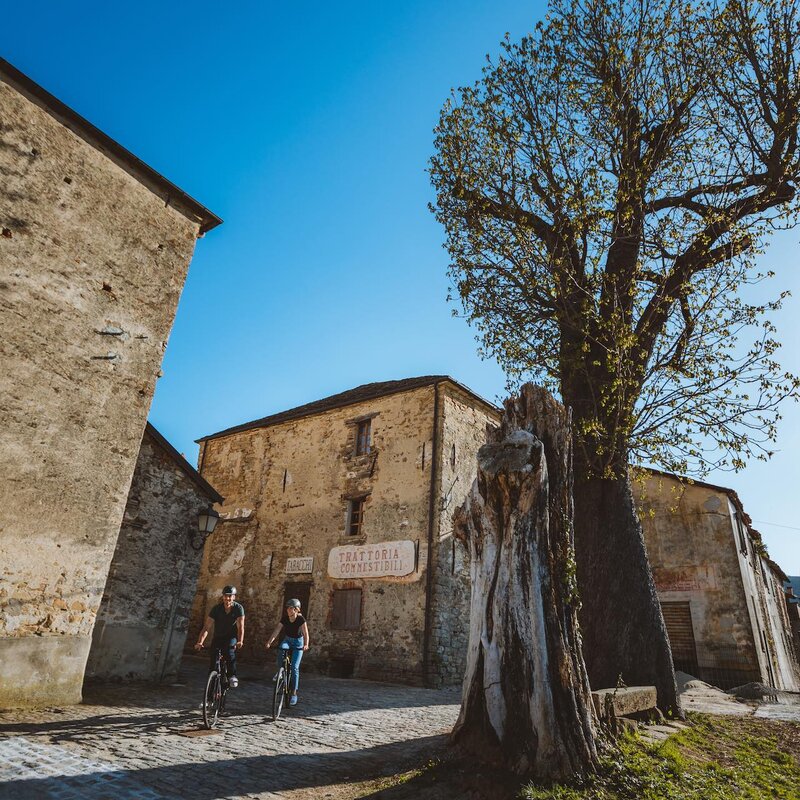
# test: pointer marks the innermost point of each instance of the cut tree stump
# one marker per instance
(526, 702)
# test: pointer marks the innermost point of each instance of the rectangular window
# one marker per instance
(355, 515)
(346, 615)
(363, 436)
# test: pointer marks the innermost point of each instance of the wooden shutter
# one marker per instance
(346, 609)
(678, 619)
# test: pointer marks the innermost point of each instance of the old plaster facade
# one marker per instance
(94, 251)
(722, 596)
(144, 614)
(347, 503)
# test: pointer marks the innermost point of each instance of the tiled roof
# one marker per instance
(369, 391)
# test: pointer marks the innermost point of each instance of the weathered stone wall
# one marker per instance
(692, 549)
(286, 489)
(463, 424)
(699, 555)
(143, 618)
(91, 267)
(778, 630)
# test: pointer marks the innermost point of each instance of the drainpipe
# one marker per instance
(164, 657)
(426, 642)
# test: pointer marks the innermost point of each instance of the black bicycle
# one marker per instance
(216, 688)
(282, 692)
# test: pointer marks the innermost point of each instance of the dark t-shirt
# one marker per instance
(225, 623)
(292, 629)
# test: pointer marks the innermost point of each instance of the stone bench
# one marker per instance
(627, 701)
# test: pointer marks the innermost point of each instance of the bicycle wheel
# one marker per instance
(212, 700)
(280, 694)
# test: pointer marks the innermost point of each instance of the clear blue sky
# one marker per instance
(307, 127)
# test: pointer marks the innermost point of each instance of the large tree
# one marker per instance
(606, 187)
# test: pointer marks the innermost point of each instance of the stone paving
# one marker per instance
(147, 743)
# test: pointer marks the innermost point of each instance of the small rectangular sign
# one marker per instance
(382, 560)
(300, 565)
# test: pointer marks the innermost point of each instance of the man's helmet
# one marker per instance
(293, 603)
(229, 590)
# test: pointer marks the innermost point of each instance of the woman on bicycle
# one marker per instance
(293, 631)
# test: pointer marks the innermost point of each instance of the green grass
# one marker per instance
(716, 758)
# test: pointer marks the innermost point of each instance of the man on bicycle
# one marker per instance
(227, 620)
(294, 637)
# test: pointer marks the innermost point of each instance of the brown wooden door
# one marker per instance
(300, 591)
(678, 619)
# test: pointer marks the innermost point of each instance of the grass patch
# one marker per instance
(715, 758)
(401, 777)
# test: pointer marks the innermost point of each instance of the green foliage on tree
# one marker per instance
(606, 188)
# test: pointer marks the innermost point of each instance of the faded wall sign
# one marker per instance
(686, 579)
(372, 560)
(301, 564)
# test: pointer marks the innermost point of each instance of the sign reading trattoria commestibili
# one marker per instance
(382, 560)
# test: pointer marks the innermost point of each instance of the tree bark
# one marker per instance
(624, 636)
(526, 703)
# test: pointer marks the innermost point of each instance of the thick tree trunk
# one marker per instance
(624, 637)
(526, 704)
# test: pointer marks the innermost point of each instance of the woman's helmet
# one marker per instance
(229, 590)
(293, 603)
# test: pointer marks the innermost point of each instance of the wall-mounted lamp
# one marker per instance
(206, 522)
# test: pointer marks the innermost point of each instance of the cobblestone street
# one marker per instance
(147, 742)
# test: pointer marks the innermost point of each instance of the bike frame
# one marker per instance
(215, 691)
(282, 691)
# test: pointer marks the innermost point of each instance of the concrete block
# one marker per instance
(42, 670)
(624, 701)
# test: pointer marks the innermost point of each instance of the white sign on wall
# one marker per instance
(300, 565)
(385, 559)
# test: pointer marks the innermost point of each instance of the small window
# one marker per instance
(363, 437)
(355, 515)
(346, 614)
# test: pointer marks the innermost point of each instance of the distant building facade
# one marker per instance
(721, 595)
(144, 614)
(94, 251)
(347, 504)
(791, 588)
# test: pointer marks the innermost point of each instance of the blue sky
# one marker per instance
(307, 128)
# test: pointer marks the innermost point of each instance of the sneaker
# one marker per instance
(234, 681)
(293, 700)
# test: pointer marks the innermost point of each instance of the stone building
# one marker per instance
(94, 251)
(143, 617)
(346, 503)
(721, 594)
(791, 589)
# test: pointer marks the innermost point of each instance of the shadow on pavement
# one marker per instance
(233, 777)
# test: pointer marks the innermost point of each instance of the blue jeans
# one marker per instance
(296, 656)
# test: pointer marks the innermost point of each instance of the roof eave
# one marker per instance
(264, 422)
(185, 466)
(146, 175)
